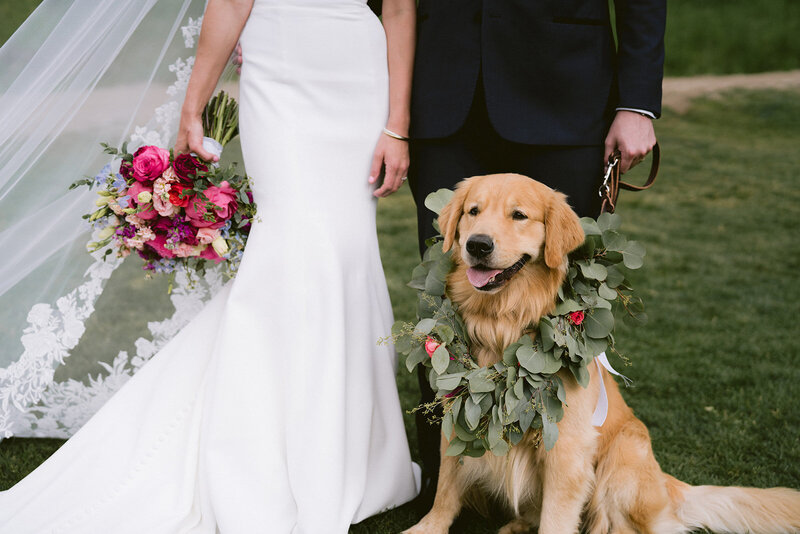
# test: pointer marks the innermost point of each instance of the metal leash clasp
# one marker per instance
(605, 189)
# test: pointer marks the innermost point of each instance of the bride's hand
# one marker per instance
(190, 138)
(392, 155)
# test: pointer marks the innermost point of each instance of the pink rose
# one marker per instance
(185, 250)
(430, 346)
(576, 318)
(157, 244)
(148, 212)
(209, 253)
(206, 235)
(149, 162)
(224, 200)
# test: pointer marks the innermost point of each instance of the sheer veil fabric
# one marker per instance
(76, 73)
(261, 405)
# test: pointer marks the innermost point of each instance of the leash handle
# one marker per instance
(609, 190)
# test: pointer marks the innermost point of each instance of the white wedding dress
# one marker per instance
(275, 410)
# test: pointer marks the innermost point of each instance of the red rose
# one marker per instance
(149, 162)
(126, 169)
(175, 191)
(187, 166)
(576, 318)
(223, 199)
(430, 346)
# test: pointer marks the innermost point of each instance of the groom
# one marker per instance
(538, 88)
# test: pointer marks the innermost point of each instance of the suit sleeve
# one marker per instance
(640, 55)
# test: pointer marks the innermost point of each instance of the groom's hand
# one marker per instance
(391, 155)
(634, 136)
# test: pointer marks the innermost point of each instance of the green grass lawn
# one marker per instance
(716, 369)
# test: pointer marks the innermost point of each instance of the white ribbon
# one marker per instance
(601, 411)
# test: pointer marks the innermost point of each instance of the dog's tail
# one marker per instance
(735, 509)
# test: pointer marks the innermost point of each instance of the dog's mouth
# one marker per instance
(485, 278)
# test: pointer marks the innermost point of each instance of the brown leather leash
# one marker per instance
(609, 191)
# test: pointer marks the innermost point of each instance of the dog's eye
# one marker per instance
(473, 211)
(518, 215)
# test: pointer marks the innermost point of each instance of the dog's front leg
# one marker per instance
(448, 500)
(567, 481)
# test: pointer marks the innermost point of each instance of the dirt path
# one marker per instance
(679, 92)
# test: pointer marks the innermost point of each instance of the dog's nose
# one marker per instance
(480, 245)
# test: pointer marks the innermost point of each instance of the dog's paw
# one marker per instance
(517, 526)
(428, 526)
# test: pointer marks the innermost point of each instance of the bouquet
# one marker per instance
(175, 210)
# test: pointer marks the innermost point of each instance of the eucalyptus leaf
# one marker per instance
(531, 359)
(633, 255)
(438, 199)
(614, 241)
(425, 326)
(606, 292)
(445, 333)
(609, 221)
(546, 334)
(440, 359)
(434, 285)
(456, 447)
(590, 226)
(500, 448)
(449, 382)
(593, 271)
(581, 374)
(568, 306)
(447, 425)
(479, 383)
(598, 323)
(415, 357)
(615, 277)
(472, 413)
(549, 433)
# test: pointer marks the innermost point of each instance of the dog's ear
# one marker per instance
(451, 214)
(563, 232)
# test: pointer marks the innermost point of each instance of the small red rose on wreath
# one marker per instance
(430, 346)
(576, 317)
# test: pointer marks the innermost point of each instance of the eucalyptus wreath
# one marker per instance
(490, 408)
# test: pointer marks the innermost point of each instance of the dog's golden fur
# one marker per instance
(606, 478)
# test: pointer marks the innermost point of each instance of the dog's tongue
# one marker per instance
(480, 278)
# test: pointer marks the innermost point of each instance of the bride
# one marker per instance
(273, 410)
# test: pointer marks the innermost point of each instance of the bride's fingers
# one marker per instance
(377, 164)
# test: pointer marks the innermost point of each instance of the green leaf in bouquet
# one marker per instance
(546, 333)
(447, 425)
(526, 417)
(438, 200)
(500, 448)
(594, 346)
(472, 413)
(552, 364)
(580, 373)
(614, 241)
(415, 357)
(509, 354)
(606, 292)
(456, 447)
(440, 359)
(445, 333)
(418, 278)
(615, 277)
(480, 383)
(425, 326)
(593, 271)
(608, 221)
(449, 382)
(633, 255)
(598, 323)
(456, 407)
(531, 359)
(553, 406)
(549, 433)
(568, 306)
(590, 226)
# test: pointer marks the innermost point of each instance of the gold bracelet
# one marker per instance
(390, 133)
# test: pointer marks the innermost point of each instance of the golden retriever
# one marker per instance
(511, 236)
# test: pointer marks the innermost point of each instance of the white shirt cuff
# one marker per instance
(642, 111)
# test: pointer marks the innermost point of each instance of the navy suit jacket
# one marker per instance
(551, 70)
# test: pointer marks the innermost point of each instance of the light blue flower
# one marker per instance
(102, 176)
(124, 202)
(119, 182)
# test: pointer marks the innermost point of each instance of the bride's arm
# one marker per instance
(222, 23)
(399, 22)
